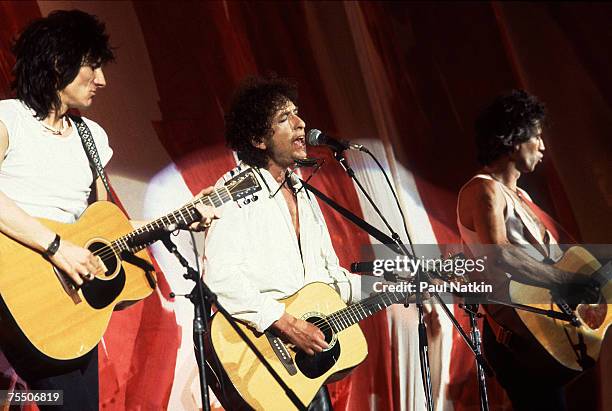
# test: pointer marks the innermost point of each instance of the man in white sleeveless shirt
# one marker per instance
(492, 209)
(44, 170)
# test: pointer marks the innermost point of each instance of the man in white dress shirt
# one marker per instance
(270, 248)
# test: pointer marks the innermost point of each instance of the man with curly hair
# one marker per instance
(492, 209)
(270, 248)
(45, 171)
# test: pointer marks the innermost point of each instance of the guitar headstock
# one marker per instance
(243, 185)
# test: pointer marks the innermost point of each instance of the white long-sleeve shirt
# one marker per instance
(253, 257)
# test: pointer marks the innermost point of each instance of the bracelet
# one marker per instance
(53, 247)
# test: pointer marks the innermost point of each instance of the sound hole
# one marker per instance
(313, 366)
(101, 292)
(107, 255)
(325, 327)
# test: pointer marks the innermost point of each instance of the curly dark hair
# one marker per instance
(50, 52)
(249, 119)
(510, 120)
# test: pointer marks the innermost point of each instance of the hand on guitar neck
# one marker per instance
(304, 335)
(207, 213)
(81, 265)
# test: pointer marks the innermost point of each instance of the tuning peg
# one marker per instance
(246, 201)
(255, 198)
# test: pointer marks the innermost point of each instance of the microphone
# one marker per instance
(362, 267)
(307, 162)
(368, 267)
(318, 138)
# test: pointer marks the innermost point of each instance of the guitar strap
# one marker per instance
(89, 145)
(502, 334)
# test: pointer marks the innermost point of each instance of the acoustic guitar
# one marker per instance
(248, 384)
(43, 309)
(564, 341)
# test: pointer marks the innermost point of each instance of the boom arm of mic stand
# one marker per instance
(383, 238)
(359, 222)
(549, 313)
(394, 236)
(398, 247)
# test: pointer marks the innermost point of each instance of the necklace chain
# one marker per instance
(57, 131)
(516, 191)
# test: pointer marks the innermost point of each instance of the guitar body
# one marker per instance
(553, 334)
(61, 322)
(302, 373)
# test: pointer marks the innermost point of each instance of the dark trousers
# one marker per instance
(528, 388)
(80, 387)
(321, 401)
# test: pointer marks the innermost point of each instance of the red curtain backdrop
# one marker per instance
(443, 61)
(14, 15)
(196, 69)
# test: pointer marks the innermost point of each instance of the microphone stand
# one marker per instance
(473, 341)
(200, 296)
(476, 346)
(422, 328)
(395, 244)
(387, 241)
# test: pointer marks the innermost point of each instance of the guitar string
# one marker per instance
(323, 323)
(352, 309)
(108, 250)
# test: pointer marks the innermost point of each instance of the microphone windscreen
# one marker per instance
(314, 137)
(362, 267)
(306, 162)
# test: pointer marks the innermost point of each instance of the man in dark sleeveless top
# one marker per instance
(492, 209)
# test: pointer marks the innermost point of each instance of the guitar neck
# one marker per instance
(361, 310)
(603, 275)
(184, 216)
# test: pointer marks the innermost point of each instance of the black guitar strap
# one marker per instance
(89, 145)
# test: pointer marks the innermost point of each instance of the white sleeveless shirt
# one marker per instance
(47, 176)
(518, 222)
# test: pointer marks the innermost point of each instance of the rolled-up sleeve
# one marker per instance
(347, 284)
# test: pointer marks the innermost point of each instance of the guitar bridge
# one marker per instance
(67, 285)
(282, 353)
